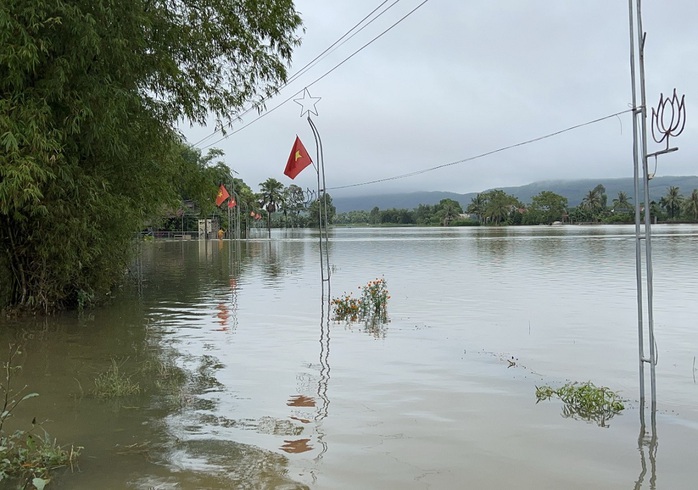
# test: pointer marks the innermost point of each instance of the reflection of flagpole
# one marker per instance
(323, 383)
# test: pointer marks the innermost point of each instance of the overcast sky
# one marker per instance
(456, 79)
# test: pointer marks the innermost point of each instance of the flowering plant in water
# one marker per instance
(372, 307)
(374, 301)
(346, 308)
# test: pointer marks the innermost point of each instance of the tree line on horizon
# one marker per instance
(497, 208)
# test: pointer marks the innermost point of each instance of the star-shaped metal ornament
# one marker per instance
(307, 103)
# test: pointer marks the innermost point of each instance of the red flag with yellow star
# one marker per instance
(222, 195)
(297, 160)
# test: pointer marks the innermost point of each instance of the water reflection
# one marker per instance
(647, 444)
(322, 403)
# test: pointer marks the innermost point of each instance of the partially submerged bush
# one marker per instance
(27, 457)
(584, 401)
(371, 308)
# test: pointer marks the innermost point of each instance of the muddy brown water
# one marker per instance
(245, 382)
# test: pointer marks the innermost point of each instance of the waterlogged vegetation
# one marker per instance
(27, 457)
(114, 383)
(584, 401)
(371, 308)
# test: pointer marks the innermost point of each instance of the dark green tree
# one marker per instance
(672, 202)
(375, 216)
(91, 92)
(622, 203)
(271, 198)
(594, 203)
(546, 208)
(448, 210)
(314, 211)
(477, 206)
(499, 206)
(690, 205)
(292, 204)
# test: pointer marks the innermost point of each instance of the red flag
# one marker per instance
(222, 195)
(297, 160)
(231, 203)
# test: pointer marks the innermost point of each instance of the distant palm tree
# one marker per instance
(671, 202)
(591, 203)
(450, 213)
(499, 205)
(690, 205)
(271, 193)
(477, 206)
(622, 202)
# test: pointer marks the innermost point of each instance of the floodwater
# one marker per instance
(245, 382)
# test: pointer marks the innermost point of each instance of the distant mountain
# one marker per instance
(573, 190)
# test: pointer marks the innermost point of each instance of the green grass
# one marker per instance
(113, 383)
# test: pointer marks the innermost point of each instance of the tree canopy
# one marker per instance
(91, 92)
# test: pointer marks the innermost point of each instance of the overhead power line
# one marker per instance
(482, 155)
(357, 28)
(320, 77)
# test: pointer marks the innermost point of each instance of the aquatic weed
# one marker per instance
(113, 383)
(584, 401)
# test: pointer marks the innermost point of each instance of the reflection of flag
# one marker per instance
(297, 160)
(222, 195)
(231, 203)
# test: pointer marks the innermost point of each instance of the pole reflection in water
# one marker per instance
(322, 402)
(323, 410)
(647, 441)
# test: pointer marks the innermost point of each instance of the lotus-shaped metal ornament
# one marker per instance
(669, 119)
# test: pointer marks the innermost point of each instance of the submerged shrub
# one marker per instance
(371, 308)
(584, 401)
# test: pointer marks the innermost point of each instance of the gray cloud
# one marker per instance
(457, 79)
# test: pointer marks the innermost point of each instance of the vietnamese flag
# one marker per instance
(222, 195)
(231, 203)
(297, 160)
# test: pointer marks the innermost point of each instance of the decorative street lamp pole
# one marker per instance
(307, 103)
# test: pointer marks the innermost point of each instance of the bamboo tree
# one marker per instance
(91, 93)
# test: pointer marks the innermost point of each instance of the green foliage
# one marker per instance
(314, 211)
(690, 206)
(546, 208)
(672, 202)
(495, 207)
(113, 383)
(90, 94)
(584, 401)
(371, 308)
(292, 204)
(26, 457)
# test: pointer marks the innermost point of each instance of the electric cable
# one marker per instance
(342, 39)
(481, 155)
(320, 77)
